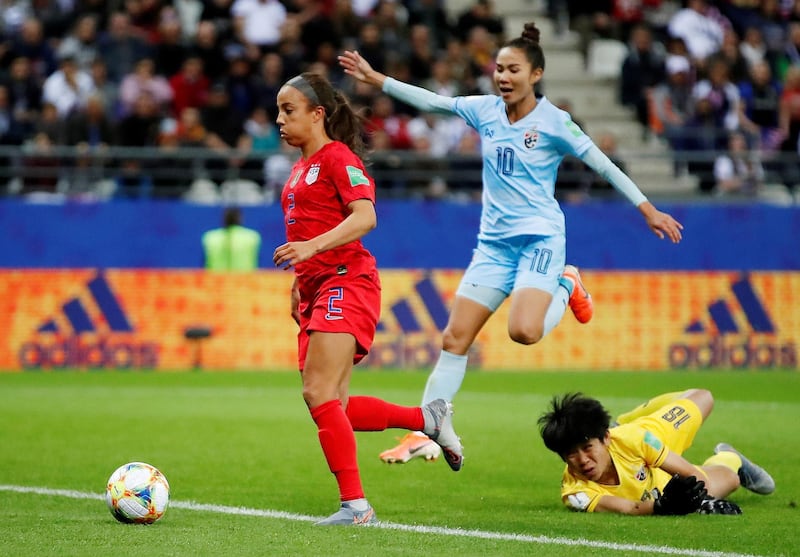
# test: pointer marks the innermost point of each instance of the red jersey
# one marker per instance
(315, 200)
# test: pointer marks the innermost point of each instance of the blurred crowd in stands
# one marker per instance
(718, 81)
(183, 77)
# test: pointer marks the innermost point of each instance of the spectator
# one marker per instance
(170, 50)
(40, 167)
(315, 27)
(12, 132)
(138, 129)
(432, 15)
(189, 86)
(465, 167)
(269, 79)
(81, 44)
(90, 129)
(481, 48)
(106, 89)
(790, 56)
(120, 47)
(144, 80)
(422, 53)
(208, 48)
(259, 22)
(671, 103)
(700, 27)
(241, 85)
(370, 46)
(759, 107)
(738, 171)
(738, 68)
(91, 132)
(642, 69)
(68, 88)
(722, 95)
(702, 137)
(789, 119)
(32, 43)
(291, 48)
(188, 12)
(49, 123)
(383, 117)
(218, 13)
(345, 22)
(221, 119)
(753, 47)
(260, 140)
(391, 19)
(24, 94)
(441, 80)
(480, 14)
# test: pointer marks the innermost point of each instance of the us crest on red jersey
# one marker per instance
(313, 174)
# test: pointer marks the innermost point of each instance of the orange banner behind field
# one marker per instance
(139, 319)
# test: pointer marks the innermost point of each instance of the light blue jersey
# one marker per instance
(520, 160)
(520, 163)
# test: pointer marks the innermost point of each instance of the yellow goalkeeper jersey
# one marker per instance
(637, 452)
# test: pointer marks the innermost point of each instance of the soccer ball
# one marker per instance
(137, 493)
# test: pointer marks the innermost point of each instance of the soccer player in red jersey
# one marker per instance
(329, 205)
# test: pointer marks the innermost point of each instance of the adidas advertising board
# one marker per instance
(137, 319)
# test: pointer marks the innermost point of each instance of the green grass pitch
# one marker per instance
(239, 449)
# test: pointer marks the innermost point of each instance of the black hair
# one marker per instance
(231, 217)
(528, 42)
(342, 123)
(571, 421)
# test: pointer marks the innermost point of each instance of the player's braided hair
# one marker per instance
(528, 42)
(571, 421)
(342, 123)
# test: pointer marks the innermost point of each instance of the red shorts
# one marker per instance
(341, 304)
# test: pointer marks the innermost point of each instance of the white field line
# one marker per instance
(438, 530)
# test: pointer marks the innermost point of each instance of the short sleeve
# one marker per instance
(350, 178)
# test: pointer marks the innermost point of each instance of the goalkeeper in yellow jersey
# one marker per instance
(635, 465)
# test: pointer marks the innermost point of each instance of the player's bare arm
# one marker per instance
(620, 505)
(354, 65)
(662, 224)
(360, 221)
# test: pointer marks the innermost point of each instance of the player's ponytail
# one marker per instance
(528, 41)
(342, 123)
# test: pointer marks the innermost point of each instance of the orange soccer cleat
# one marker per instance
(580, 301)
(412, 445)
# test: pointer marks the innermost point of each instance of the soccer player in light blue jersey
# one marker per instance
(521, 251)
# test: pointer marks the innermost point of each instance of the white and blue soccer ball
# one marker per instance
(137, 493)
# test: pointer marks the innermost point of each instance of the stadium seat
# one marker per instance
(241, 192)
(605, 58)
(203, 192)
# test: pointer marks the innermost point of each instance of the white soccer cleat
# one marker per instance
(348, 516)
(439, 427)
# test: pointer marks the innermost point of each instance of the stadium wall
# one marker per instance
(80, 288)
(410, 235)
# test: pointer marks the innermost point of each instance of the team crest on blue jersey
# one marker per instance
(313, 174)
(531, 138)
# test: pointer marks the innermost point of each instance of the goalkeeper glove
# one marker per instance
(681, 496)
(718, 506)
